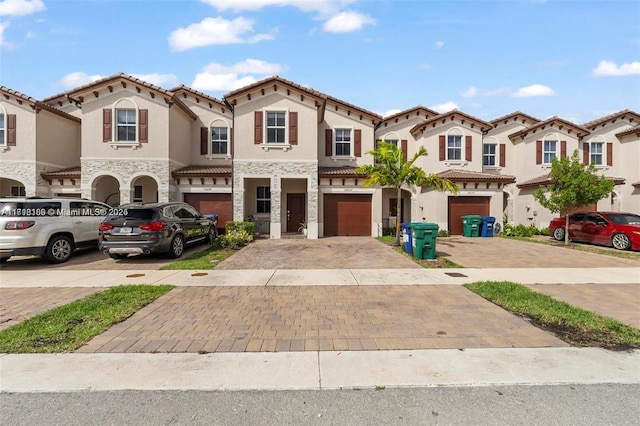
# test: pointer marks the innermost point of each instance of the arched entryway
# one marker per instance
(106, 189)
(11, 188)
(144, 189)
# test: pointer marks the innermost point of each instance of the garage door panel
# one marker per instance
(219, 204)
(347, 215)
(462, 206)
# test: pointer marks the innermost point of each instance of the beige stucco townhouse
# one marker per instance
(295, 150)
(35, 138)
(134, 135)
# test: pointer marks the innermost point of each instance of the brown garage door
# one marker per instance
(462, 206)
(347, 215)
(219, 204)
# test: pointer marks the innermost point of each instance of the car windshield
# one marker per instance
(624, 218)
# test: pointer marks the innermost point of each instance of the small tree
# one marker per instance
(390, 169)
(573, 185)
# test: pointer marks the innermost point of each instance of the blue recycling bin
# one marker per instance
(487, 226)
(407, 240)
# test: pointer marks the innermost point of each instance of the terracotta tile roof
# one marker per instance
(203, 96)
(119, 77)
(550, 122)
(375, 118)
(483, 125)
(7, 93)
(415, 111)
(469, 176)
(71, 173)
(345, 171)
(545, 180)
(202, 171)
(636, 184)
(635, 130)
(514, 116)
(616, 115)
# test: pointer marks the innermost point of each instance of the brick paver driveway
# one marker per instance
(266, 319)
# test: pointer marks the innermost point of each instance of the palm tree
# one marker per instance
(390, 169)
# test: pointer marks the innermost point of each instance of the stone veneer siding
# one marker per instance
(123, 170)
(29, 175)
(276, 171)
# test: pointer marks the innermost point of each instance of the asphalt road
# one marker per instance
(600, 404)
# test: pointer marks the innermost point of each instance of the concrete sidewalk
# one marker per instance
(303, 277)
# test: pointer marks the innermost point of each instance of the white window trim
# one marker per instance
(350, 157)
(496, 162)
(210, 155)
(266, 146)
(114, 126)
(462, 161)
(270, 199)
(3, 143)
(555, 152)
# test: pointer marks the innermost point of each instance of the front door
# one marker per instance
(295, 211)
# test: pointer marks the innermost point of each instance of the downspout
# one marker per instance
(232, 149)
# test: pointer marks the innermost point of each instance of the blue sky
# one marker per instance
(579, 60)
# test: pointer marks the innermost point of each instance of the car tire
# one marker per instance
(118, 255)
(59, 249)
(177, 247)
(558, 234)
(621, 242)
(211, 237)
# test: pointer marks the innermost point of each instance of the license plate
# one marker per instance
(125, 230)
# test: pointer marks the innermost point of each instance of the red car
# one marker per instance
(612, 229)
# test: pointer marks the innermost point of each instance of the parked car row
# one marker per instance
(612, 229)
(55, 227)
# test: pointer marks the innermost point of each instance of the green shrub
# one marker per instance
(523, 231)
(443, 233)
(388, 232)
(237, 234)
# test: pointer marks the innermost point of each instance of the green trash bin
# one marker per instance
(424, 240)
(471, 225)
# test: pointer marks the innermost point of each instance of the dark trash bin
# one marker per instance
(487, 226)
(424, 240)
(471, 225)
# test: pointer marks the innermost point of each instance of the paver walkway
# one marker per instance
(267, 319)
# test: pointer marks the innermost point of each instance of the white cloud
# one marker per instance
(212, 31)
(445, 107)
(533, 90)
(3, 26)
(323, 7)
(345, 22)
(473, 92)
(76, 79)
(610, 69)
(158, 79)
(218, 77)
(439, 44)
(20, 7)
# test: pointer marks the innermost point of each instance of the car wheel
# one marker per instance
(211, 236)
(118, 255)
(59, 249)
(558, 234)
(4, 259)
(621, 242)
(177, 247)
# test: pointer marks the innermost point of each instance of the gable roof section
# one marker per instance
(516, 116)
(555, 123)
(545, 179)
(350, 108)
(636, 184)
(468, 176)
(450, 116)
(635, 130)
(69, 173)
(416, 111)
(78, 94)
(620, 115)
(35, 104)
(184, 91)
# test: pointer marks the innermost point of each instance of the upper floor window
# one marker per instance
(454, 147)
(549, 151)
(489, 154)
(219, 140)
(276, 126)
(126, 125)
(3, 140)
(343, 142)
(596, 153)
(263, 199)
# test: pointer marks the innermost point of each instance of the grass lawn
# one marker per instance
(207, 259)
(574, 325)
(66, 328)
(438, 262)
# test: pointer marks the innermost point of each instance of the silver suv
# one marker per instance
(49, 227)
